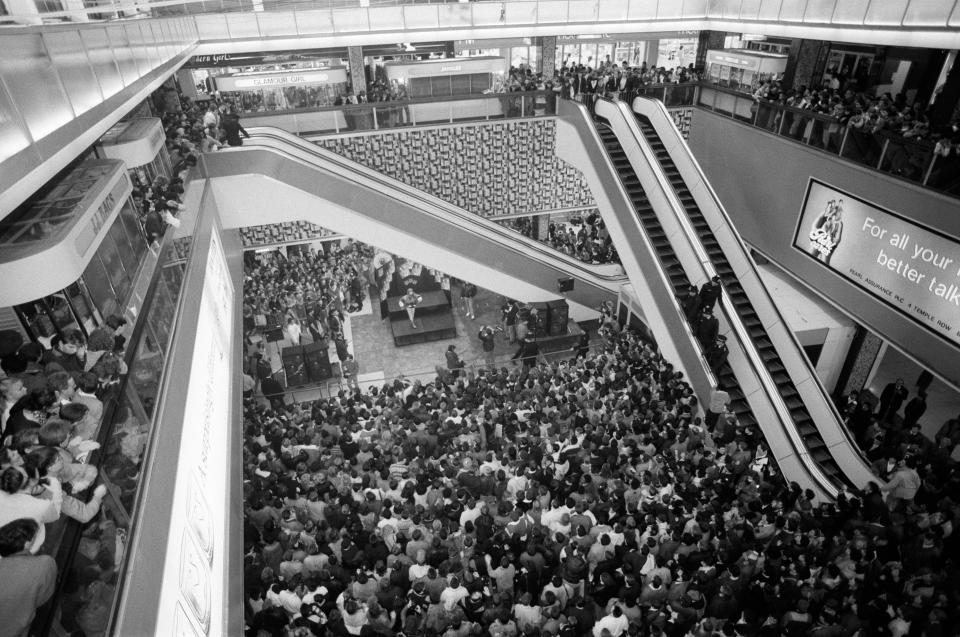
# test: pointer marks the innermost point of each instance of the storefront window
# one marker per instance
(48, 317)
(97, 283)
(83, 309)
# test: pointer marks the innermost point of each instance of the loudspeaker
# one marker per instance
(293, 366)
(273, 334)
(565, 284)
(559, 316)
(924, 380)
(317, 360)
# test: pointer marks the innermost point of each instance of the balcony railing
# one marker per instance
(415, 112)
(910, 159)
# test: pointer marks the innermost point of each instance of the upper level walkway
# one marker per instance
(927, 23)
(63, 85)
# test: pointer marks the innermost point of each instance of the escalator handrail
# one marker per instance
(745, 253)
(801, 451)
(582, 270)
(608, 164)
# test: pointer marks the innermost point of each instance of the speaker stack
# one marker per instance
(317, 360)
(293, 366)
(542, 325)
(559, 314)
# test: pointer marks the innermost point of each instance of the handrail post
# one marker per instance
(523, 106)
(933, 160)
(756, 115)
(883, 153)
(783, 118)
(843, 142)
(376, 124)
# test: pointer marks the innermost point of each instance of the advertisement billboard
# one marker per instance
(910, 267)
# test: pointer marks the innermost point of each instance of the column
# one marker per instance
(547, 55)
(705, 41)
(651, 53)
(946, 101)
(358, 77)
(862, 357)
(805, 63)
(25, 10)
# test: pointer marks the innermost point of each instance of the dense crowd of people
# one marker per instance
(584, 238)
(877, 116)
(306, 293)
(53, 394)
(573, 498)
(53, 404)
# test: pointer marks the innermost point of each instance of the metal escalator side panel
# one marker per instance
(816, 401)
(579, 144)
(750, 369)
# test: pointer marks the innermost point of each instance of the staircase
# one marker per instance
(748, 316)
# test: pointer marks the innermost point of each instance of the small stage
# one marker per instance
(434, 319)
(562, 342)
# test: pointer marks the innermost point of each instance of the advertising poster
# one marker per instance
(912, 268)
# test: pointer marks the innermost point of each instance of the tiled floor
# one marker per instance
(371, 342)
(374, 348)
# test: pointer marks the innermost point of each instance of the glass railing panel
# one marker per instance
(679, 94)
(243, 25)
(32, 80)
(552, 12)
(314, 21)
(906, 158)
(386, 18)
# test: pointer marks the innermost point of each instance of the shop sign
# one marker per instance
(281, 80)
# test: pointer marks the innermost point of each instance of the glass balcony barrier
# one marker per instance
(415, 112)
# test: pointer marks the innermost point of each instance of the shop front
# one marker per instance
(282, 91)
(743, 69)
(201, 76)
(658, 49)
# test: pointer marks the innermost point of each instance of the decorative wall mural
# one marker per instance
(489, 169)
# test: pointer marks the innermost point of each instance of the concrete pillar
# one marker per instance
(705, 41)
(25, 11)
(948, 98)
(862, 357)
(805, 63)
(547, 55)
(651, 53)
(358, 78)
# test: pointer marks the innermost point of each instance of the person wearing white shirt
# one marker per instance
(471, 514)
(452, 594)
(615, 622)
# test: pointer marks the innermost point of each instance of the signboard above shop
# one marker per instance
(307, 77)
(331, 57)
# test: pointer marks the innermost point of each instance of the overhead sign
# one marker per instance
(274, 80)
(912, 268)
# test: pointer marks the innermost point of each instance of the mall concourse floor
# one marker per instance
(371, 342)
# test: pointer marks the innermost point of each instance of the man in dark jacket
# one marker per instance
(232, 129)
(527, 353)
(717, 352)
(710, 293)
(707, 327)
(891, 398)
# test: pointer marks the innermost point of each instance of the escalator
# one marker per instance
(276, 176)
(801, 417)
(669, 261)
